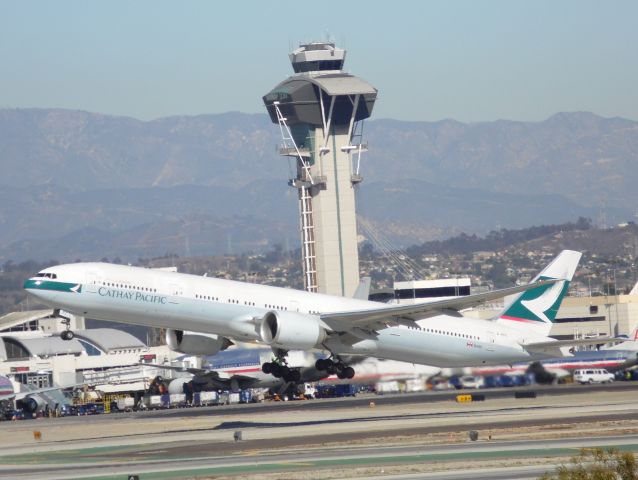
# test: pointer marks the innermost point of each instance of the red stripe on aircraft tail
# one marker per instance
(518, 319)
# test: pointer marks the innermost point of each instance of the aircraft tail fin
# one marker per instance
(534, 310)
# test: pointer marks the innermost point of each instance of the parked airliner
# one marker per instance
(30, 399)
(241, 367)
(222, 311)
(623, 356)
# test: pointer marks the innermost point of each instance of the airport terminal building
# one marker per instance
(104, 358)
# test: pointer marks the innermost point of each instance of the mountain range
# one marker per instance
(80, 185)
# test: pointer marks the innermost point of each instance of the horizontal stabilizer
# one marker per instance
(554, 347)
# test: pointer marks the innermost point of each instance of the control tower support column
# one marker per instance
(320, 111)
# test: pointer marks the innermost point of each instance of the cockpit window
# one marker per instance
(46, 275)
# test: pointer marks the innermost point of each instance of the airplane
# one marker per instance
(240, 368)
(622, 356)
(205, 315)
(32, 400)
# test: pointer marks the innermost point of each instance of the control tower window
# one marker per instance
(317, 66)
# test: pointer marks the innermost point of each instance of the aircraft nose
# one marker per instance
(31, 283)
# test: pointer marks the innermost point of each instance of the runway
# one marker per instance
(399, 437)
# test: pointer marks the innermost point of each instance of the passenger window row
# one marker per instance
(275, 307)
(216, 299)
(443, 332)
(129, 287)
(207, 297)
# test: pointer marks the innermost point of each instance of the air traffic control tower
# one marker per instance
(320, 111)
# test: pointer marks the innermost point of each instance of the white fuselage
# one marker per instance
(234, 309)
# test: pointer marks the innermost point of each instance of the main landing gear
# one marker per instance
(279, 368)
(337, 366)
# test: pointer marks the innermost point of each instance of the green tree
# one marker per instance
(597, 464)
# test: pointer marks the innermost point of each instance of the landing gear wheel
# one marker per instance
(292, 376)
(336, 366)
(322, 364)
(348, 372)
(278, 367)
(277, 371)
(67, 335)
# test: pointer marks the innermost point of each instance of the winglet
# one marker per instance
(363, 290)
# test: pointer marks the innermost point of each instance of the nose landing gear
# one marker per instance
(66, 334)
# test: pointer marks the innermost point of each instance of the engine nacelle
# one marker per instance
(177, 385)
(291, 330)
(196, 344)
(31, 404)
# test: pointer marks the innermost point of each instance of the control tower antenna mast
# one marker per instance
(320, 111)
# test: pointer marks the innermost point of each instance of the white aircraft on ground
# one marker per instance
(30, 399)
(205, 315)
(241, 367)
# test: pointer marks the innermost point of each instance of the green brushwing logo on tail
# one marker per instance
(539, 304)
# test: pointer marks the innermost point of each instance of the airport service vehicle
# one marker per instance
(471, 381)
(205, 315)
(593, 375)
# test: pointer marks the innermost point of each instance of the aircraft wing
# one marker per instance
(221, 379)
(553, 347)
(192, 371)
(364, 323)
(28, 393)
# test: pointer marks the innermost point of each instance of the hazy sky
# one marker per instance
(469, 60)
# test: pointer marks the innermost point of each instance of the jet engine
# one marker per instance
(177, 385)
(291, 330)
(196, 344)
(31, 404)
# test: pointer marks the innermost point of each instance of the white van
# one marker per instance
(593, 375)
(471, 381)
